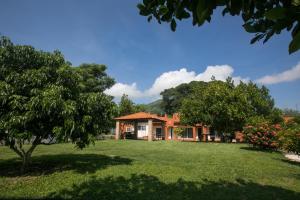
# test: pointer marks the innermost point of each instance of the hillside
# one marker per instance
(154, 107)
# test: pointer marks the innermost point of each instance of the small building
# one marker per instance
(150, 127)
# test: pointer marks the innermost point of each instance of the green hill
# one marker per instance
(154, 107)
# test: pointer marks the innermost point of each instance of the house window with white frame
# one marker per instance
(142, 128)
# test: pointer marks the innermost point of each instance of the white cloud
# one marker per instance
(286, 76)
(220, 72)
(119, 89)
(172, 79)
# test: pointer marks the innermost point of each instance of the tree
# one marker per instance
(216, 106)
(289, 138)
(43, 97)
(173, 97)
(140, 108)
(275, 117)
(126, 106)
(224, 106)
(264, 18)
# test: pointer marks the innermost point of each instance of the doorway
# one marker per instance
(158, 133)
(199, 133)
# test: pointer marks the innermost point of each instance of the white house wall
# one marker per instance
(142, 133)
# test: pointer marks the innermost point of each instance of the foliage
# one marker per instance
(224, 106)
(155, 107)
(254, 120)
(93, 78)
(289, 138)
(126, 106)
(275, 117)
(172, 98)
(140, 108)
(264, 18)
(262, 135)
(296, 119)
(43, 97)
(178, 131)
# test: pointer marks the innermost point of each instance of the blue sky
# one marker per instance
(147, 57)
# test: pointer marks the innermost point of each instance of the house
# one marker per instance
(150, 127)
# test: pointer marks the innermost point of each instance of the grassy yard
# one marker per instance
(158, 170)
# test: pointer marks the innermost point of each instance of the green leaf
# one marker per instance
(256, 38)
(268, 36)
(249, 28)
(296, 2)
(201, 11)
(275, 13)
(173, 25)
(225, 11)
(163, 10)
(295, 43)
(185, 14)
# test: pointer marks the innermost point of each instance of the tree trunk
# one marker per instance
(26, 161)
(25, 156)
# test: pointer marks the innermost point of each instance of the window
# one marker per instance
(188, 133)
(128, 129)
(141, 128)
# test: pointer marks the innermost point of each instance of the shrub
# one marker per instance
(289, 138)
(178, 131)
(262, 135)
(296, 119)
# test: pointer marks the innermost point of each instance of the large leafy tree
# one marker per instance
(224, 106)
(126, 106)
(173, 97)
(42, 97)
(262, 17)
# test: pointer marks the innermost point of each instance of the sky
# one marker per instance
(146, 58)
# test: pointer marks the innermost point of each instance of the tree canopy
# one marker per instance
(226, 107)
(126, 106)
(264, 17)
(44, 97)
(173, 97)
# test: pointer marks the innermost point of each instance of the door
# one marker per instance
(158, 133)
(171, 133)
(199, 132)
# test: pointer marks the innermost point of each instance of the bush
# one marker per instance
(262, 135)
(289, 138)
(178, 131)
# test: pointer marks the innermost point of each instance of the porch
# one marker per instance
(141, 126)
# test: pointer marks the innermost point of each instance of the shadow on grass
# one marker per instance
(47, 164)
(150, 187)
(291, 162)
(259, 150)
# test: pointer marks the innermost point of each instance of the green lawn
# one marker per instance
(150, 170)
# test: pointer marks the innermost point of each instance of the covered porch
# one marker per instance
(142, 125)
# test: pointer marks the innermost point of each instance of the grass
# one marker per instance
(143, 170)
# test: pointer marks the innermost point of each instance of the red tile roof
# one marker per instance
(141, 115)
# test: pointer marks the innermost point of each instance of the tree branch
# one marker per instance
(15, 149)
(36, 142)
